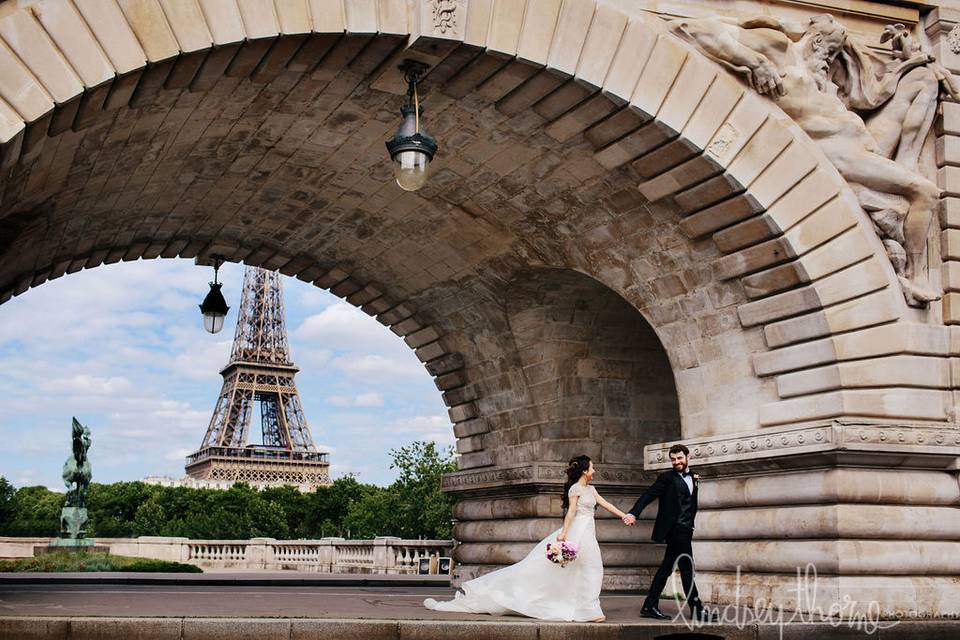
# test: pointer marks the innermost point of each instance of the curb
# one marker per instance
(113, 628)
(356, 580)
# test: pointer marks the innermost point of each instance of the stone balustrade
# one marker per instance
(328, 555)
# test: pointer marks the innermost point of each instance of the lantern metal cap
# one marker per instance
(214, 302)
(422, 142)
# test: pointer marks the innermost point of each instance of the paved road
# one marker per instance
(392, 603)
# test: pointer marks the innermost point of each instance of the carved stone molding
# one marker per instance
(900, 439)
(549, 473)
(901, 435)
(444, 15)
(464, 480)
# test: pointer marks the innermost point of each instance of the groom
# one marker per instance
(677, 491)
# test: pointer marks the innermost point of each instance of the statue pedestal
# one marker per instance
(70, 545)
(73, 523)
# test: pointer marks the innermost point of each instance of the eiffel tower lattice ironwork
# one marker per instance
(261, 371)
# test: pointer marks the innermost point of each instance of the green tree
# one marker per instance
(268, 520)
(113, 507)
(295, 507)
(7, 494)
(372, 514)
(150, 518)
(36, 512)
(327, 507)
(424, 510)
(188, 512)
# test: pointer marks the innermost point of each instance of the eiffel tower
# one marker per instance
(261, 371)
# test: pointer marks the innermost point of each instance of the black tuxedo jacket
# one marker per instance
(667, 488)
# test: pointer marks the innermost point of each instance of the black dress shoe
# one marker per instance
(704, 615)
(653, 612)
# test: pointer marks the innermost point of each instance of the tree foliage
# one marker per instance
(423, 509)
(7, 494)
(35, 511)
(412, 507)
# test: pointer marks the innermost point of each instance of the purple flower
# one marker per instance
(561, 552)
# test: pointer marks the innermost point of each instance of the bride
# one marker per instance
(535, 586)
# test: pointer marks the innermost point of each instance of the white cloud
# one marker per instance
(203, 361)
(84, 384)
(360, 471)
(341, 326)
(339, 401)
(378, 368)
(178, 454)
(311, 296)
(312, 358)
(105, 303)
(369, 399)
(433, 427)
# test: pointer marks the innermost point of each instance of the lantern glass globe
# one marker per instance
(411, 169)
(213, 322)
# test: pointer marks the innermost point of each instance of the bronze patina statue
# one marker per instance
(76, 476)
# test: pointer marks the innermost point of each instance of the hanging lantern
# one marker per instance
(411, 148)
(214, 308)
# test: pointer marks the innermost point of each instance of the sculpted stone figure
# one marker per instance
(818, 76)
(898, 101)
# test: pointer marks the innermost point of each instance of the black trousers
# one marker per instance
(679, 552)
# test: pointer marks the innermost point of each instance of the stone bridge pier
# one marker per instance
(621, 246)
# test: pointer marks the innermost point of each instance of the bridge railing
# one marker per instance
(328, 555)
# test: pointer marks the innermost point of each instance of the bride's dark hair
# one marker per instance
(575, 468)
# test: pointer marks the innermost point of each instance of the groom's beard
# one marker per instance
(680, 467)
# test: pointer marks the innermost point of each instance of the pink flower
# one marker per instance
(561, 552)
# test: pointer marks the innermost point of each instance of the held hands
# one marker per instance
(561, 536)
(629, 519)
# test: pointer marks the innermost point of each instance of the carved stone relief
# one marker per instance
(869, 114)
(444, 15)
(953, 39)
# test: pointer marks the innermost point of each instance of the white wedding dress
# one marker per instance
(538, 588)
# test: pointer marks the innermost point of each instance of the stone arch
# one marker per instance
(739, 172)
(599, 383)
(574, 135)
(594, 367)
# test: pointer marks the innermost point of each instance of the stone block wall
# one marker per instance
(599, 379)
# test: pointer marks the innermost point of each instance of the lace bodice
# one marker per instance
(587, 504)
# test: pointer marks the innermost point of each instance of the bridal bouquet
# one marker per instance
(561, 552)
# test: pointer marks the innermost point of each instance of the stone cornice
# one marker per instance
(902, 440)
(541, 473)
(906, 445)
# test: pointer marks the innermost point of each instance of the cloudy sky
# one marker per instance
(122, 348)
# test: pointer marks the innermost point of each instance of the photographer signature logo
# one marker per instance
(857, 615)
